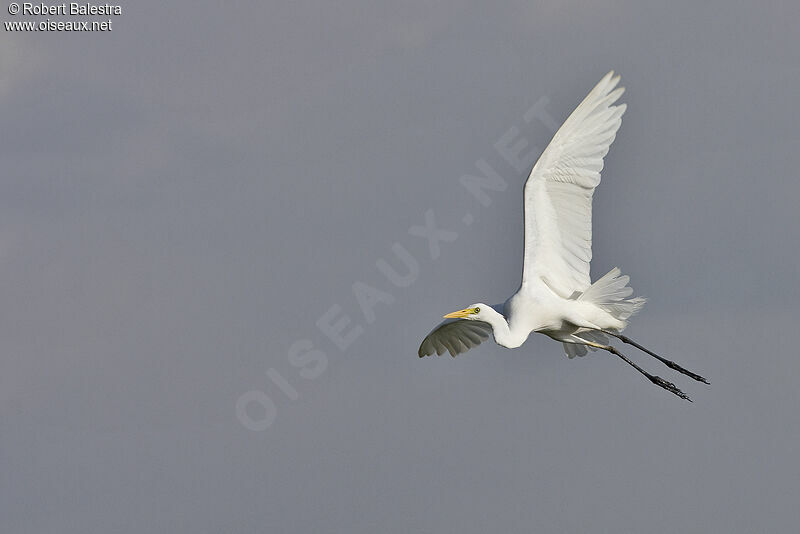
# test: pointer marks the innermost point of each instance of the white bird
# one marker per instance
(557, 297)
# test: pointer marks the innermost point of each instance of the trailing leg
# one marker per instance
(657, 380)
(668, 363)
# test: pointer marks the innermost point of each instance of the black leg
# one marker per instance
(657, 380)
(668, 363)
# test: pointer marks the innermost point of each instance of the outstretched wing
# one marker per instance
(558, 193)
(455, 336)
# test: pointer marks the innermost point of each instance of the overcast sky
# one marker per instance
(188, 201)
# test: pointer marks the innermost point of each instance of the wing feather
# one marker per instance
(559, 191)
(454, 336)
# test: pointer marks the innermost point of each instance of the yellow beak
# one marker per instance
(460, 314)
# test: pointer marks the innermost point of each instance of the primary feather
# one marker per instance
(454, 336)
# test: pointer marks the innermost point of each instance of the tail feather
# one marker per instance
(610, 293)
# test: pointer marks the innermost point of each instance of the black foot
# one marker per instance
(673, 365)
(669, 386)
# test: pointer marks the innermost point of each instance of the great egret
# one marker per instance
(557, 297)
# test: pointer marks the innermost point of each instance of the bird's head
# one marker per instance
(476, 312)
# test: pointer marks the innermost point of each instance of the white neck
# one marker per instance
(503, 334)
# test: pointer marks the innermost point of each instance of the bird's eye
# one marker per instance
(477, 310)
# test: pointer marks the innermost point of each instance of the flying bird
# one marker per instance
(557, 297)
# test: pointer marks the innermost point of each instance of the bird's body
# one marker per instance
(556, 296)
(537, 308)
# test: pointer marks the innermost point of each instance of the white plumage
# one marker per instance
(558, 193)
(556, 296)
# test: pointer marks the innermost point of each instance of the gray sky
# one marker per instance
(183, 199)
